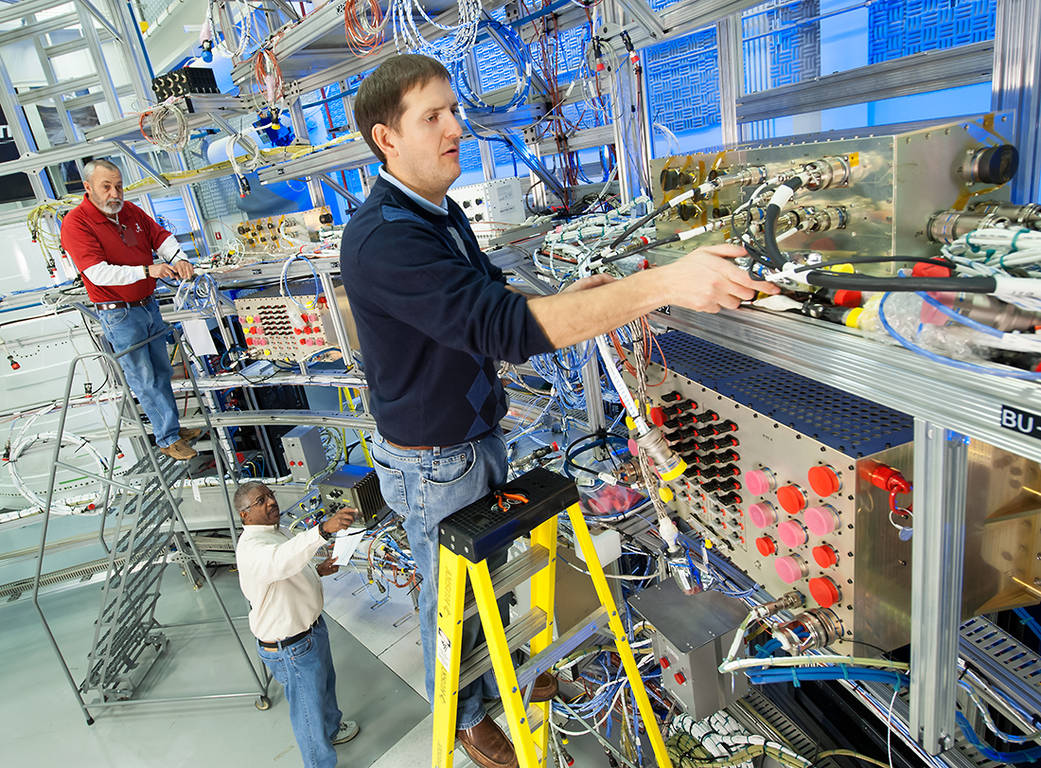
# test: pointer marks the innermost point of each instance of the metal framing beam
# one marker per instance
(937, 555)
(922, 72)
(1017, 85)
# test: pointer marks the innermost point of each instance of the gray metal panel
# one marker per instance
(688, 621)
(886, 374)
(919, 73)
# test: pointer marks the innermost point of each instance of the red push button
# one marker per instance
(824, 591)
(680, 678)
(765, 545)
(825, 556)
(824, 481)
(791, 498)
(664, 661)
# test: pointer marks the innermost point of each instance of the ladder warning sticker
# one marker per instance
(444, 649)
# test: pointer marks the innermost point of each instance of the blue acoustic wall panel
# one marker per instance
(683, 81)
(781, 44)
(902, 27)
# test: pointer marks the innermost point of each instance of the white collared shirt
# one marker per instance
(419, 200)
(276, 576)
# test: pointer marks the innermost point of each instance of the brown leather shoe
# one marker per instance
(189, 434)
(546, 687)
(179, 451)
(487, 745)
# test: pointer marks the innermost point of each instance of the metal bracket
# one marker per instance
(645, 17)
(338, 189)
(89, 7)
(141, 163)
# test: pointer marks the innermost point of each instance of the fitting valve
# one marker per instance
(669, 465)
(789, 601)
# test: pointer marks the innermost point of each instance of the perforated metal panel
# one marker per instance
(902, 27)
(842, 421)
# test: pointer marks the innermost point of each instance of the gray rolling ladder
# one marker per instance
(144, 509)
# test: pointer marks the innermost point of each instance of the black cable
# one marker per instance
(645, 247)
(901, 284)
(773, 210)
(939, 261)
(639, 223)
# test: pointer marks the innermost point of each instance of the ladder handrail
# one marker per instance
(149, 459)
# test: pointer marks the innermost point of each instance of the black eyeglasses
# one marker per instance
(263, 497)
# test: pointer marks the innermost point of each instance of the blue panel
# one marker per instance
(842, 421)
(781, 45)
(469, 156)
(902, 27)
(683, 81)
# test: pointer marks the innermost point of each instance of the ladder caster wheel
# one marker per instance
(262, 703)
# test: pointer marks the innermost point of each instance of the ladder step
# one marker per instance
(518, 633)
(507, 577)
(563, 646)
(482, 528)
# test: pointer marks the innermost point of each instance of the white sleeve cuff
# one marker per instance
(169, 251)
(113, 274)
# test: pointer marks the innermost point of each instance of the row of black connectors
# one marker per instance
(706, 443)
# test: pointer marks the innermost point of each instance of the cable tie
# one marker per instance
(1016, 237)
(795, 678)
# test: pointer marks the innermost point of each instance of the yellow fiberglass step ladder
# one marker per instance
(528, 505)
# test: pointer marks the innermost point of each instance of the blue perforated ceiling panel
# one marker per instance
(850, 424)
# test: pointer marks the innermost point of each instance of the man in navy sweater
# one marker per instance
(433, 316)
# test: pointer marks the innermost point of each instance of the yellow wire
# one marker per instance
(361, 435)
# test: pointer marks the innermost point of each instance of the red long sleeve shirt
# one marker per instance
(90, 237)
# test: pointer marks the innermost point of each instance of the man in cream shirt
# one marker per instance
(285, 598)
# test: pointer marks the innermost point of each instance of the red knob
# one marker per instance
(824, 591)
(824, 481)
(825, 556)
(791, 498)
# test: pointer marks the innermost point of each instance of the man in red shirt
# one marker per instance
(111, 242)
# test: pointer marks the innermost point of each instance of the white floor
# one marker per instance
(379, 683)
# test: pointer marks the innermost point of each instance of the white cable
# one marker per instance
(619, 384)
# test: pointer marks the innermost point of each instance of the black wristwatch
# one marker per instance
(324, 534)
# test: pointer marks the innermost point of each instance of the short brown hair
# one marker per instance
(379, 99)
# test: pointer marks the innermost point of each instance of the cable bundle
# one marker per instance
(267, 79)
(517, 52)
(452, 46)
(364, 31)
(159, 131)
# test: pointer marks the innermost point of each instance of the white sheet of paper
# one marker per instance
(199, 337)
(345, 543)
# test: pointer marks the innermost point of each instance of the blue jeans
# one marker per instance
(305, 670)
(147, 369)
(425, 487)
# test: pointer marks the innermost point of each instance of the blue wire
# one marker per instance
(1031, 623)
(965, 366)
(314, 273)
(1019, 756)
(958, 316)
